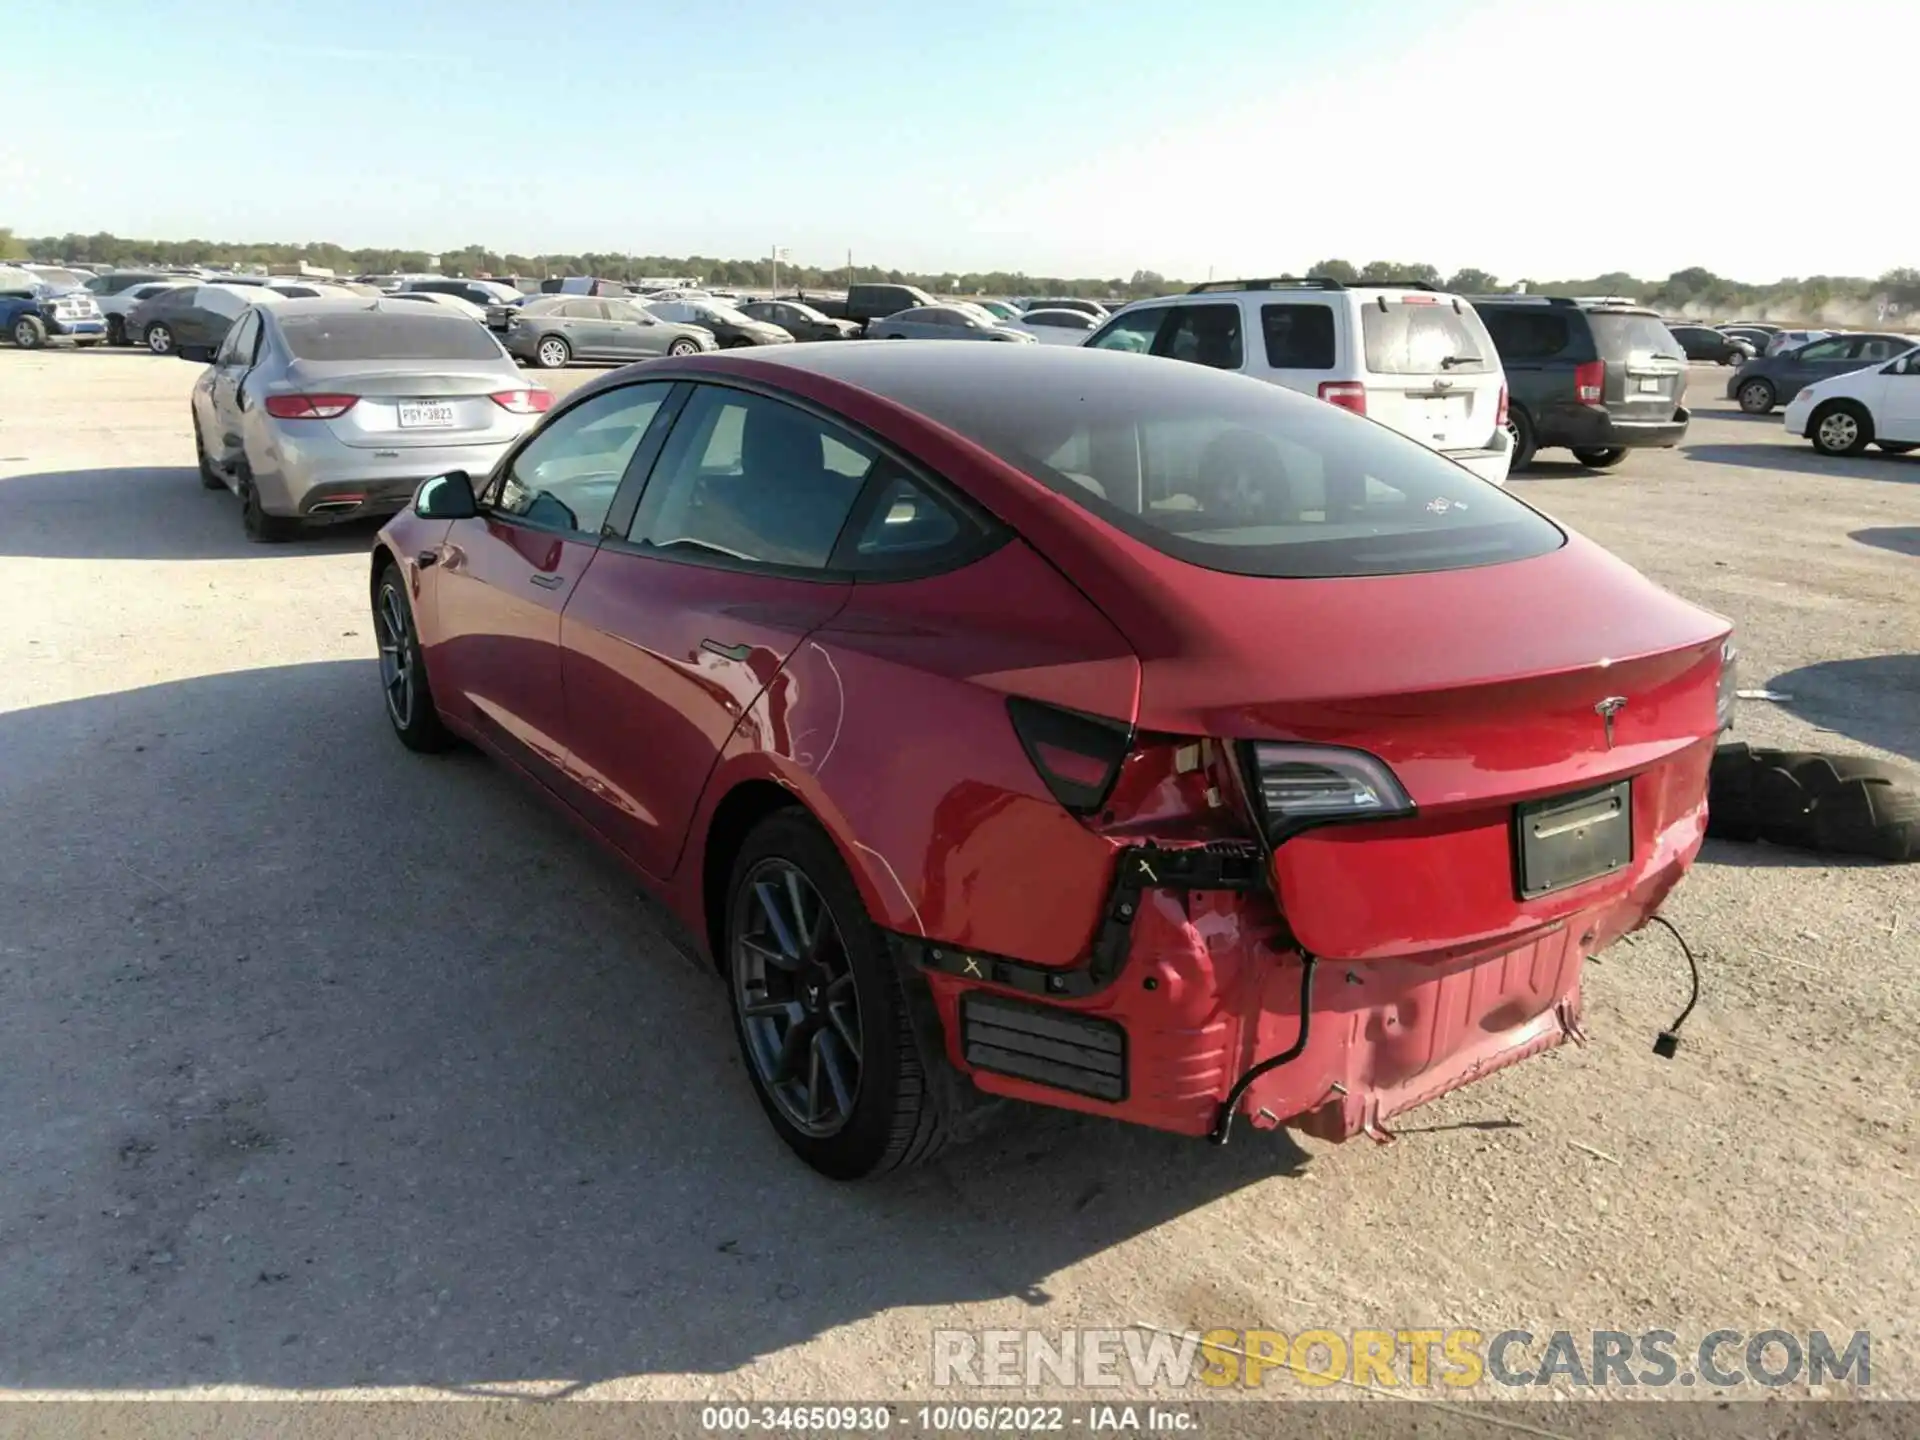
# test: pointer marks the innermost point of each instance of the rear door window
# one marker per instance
(381, 335)
(1298, 337)
(1874, 348)
(1420, 335)
(1204, 335)
(1526, 334)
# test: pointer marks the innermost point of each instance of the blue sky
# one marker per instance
(1095, 138)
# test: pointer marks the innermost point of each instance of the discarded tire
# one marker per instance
(1843, 804)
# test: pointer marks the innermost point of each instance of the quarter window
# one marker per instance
(1298, 337)
(566, 476)
(749, 479)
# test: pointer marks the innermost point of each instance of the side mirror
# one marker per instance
(199, 354)
(446, 497)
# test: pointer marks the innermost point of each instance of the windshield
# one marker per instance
(386, 335)
(1425, 337)
(1233, 475)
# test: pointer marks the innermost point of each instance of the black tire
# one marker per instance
(116, 330)
(1840, 427)
(1520, 433)
(414, 717)
(262, 528)
(29, 332)
(208, 479)
(1757, 397)
(896, 1117)
(551, 352)
(159, 339)
(1601, 459)
(85, 344)
(1893, 448)
(683, 347)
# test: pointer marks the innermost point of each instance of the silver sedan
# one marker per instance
(946, 322)
(320, 410)
(557, 329)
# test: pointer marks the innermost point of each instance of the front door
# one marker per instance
(504, 577)
(224, 438)
(684, 621)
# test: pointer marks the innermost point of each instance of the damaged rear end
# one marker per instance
(1404, 755)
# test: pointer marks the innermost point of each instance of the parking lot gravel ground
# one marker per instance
(329, 1068)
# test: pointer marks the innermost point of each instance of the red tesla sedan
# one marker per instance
(1066, 725)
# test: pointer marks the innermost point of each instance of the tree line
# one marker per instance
(1695, 291)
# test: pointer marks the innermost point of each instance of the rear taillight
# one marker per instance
(1347, 394)
(1077, 755)
(310, 407)
(523, 402)
(1589, 381)
(1500, 417)
(1300, 786)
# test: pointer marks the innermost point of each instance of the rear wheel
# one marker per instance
(159, 339)
(403, 674)
(552, 353)
(1601, 459)
(29, 332)
(1520, 434)
(261, 527)
(820, 1011)
(1757, 397)
(1842, 428)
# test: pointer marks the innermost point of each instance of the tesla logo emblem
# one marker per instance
(1607, 709)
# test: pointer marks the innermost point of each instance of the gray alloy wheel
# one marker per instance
(28, 333)
(552, 353)
(683, 347)
(159, 339)
(1842, 430)
(793, 986)
(394, 636)
(1756, 397)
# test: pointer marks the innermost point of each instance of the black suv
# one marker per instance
(1597, 379)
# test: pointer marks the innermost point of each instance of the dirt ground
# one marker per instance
(328, 1068)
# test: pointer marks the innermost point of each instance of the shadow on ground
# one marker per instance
(1805, 460)
(1901, 539)
(1875, 699)
(161, 513)
(332, 1065)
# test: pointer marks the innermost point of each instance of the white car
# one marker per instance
(1415, 359)
(1879, 405)
(454, 304)
(1058, 327)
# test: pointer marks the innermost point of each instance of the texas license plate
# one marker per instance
(1653, 386)
(426, 415)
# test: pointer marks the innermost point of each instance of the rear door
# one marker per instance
(1646, 368)
(504, 577)
(691, 613)
(1430, 369)
(423, 377)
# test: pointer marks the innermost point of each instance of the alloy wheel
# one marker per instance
(1839, 431)
(553, 354)
(794, 988)
(396, 655)
(23, 336)
(159, 339)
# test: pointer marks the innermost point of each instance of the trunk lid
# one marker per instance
(1646, 366)
(1432, 372)
(402, 409)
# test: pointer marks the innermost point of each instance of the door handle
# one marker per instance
(548, 582)
(427, 557)
(730, 652)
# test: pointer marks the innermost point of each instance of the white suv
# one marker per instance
(1416, 359)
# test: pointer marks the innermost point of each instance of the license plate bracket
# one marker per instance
(1566, 840)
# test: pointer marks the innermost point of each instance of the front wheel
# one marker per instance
(552, 353)
(403, 674)
(820, 1011)
(160, 339)
(1756, 397)
(29, 332)
(1841, 429)
(683, 347)
(1600, 459)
